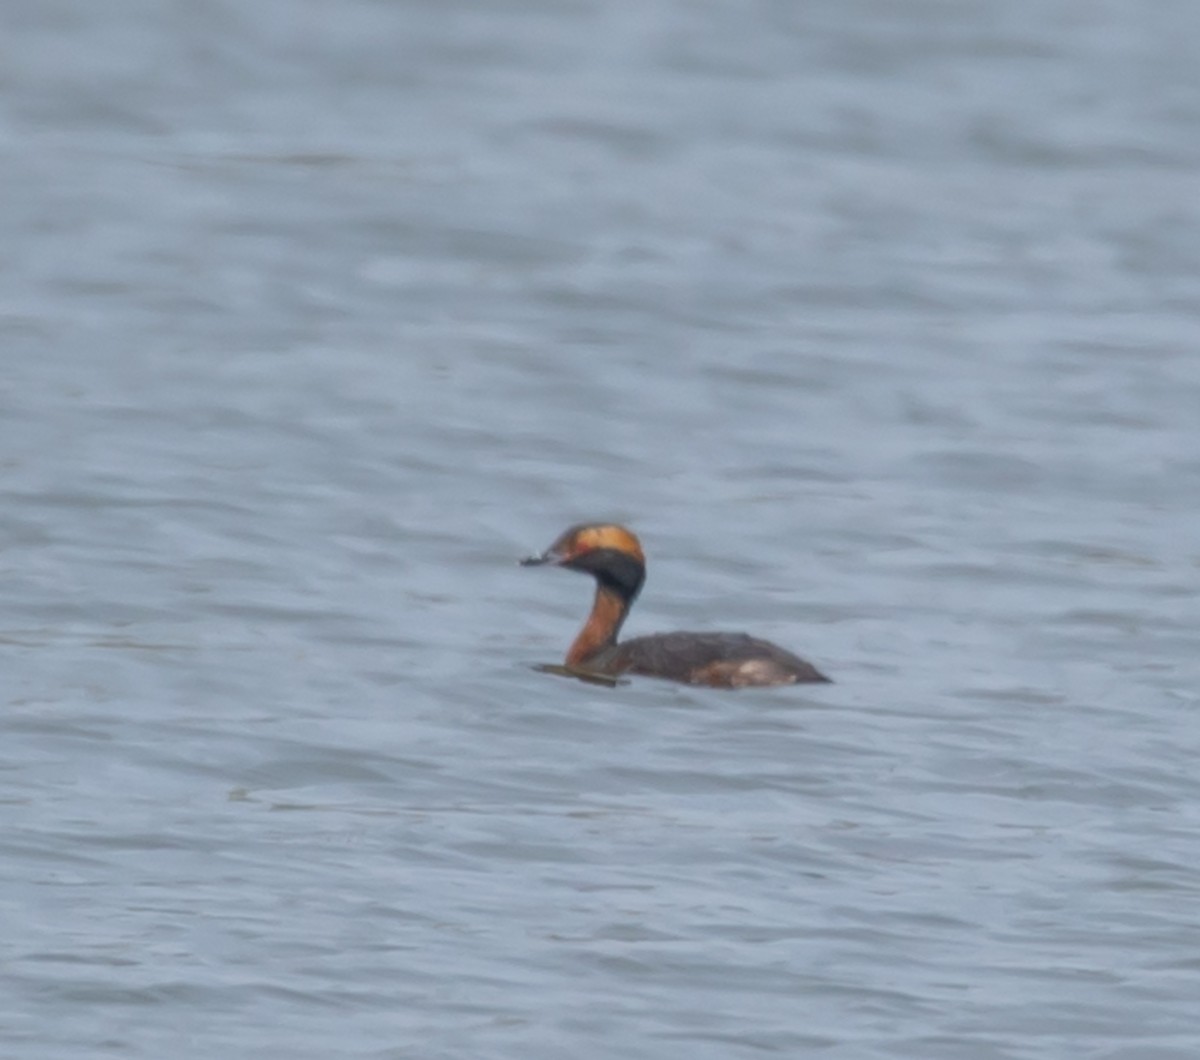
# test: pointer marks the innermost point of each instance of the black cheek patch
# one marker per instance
(613, 568)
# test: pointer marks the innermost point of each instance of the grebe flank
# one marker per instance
(613, 556)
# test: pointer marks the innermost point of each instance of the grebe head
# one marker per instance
(610, 553)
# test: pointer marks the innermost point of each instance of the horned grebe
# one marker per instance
(613, 556)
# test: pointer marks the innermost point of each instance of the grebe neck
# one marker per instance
(604, 623)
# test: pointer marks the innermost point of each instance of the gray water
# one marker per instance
(879, 322)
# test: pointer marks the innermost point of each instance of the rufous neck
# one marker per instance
(600, 630)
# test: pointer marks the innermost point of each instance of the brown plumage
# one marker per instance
(613, 556)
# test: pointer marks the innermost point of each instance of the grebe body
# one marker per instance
(613, 556)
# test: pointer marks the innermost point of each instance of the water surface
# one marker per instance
(878, 325)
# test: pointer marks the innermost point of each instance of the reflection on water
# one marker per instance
(590, 677)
